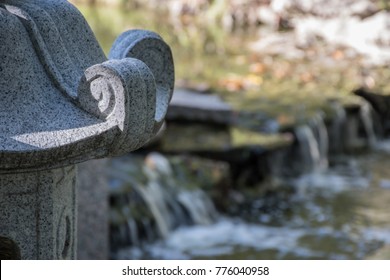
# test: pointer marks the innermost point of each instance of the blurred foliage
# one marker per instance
(210, 58)
(384, 4)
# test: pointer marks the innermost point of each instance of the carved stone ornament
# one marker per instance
(63, 102)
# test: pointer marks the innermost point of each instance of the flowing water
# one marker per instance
(337, 213)
(339, 207)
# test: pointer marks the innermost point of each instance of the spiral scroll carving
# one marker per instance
(150, 48)
(97, 90)
(132, 89)
(123, 93)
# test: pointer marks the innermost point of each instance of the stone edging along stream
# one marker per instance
(220, 132)
(206, 146)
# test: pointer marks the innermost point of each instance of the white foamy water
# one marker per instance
(229, 236)
(310, 228)
(331, 181)
(223, 238)
(234, 233)
(383, 146)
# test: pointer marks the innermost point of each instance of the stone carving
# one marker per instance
(62, 102)
(34, 209)
(83, 106)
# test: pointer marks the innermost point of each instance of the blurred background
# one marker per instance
(266, 152)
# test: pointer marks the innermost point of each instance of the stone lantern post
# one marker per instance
(62, 102)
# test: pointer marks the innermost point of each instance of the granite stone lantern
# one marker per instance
(62, 102)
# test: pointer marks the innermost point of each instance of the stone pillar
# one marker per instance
(92, 222)
(38, 212)
(62, 103)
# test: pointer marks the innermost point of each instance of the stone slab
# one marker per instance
(193, 106)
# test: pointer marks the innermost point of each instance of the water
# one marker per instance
(340, 212)
(337, 213)
(337, 126)
(148, 201)
(311, 154)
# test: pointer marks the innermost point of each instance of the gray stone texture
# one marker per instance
(92, 219)
(62, 103)
(194, 106)
(79, 105)
(38, 212)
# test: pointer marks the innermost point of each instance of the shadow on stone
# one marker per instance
(8, 249)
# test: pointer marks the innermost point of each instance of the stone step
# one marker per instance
(189, 105)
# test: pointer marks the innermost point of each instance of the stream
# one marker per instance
(339, 213)
(337, 207)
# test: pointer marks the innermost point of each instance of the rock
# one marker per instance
(325, 8)
(272, 43)
(380, 103)
(370, 36)
(219, 140)
(193, 106)
(359, 25)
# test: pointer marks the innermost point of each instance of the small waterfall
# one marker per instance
(153, 197)
(336, 128)
(312, 150)
(133, 231)
(158, 203)
(309, 150)
(320, 132)
(346, 132)
(149, 199)
(352, 130)
(199, 206)
(368, 125)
